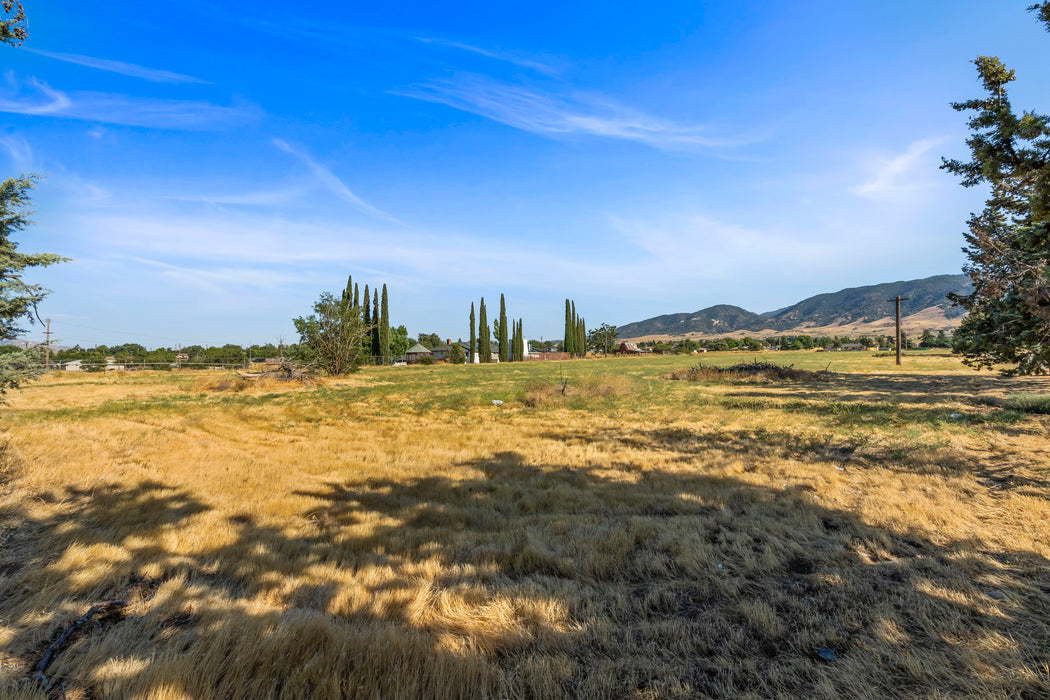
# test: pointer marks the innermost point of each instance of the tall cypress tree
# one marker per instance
(484, 334)
(570, 331)
(581, 338)
(357, 297)
(375, 323)
(504, 346)
(384, 329)
(348, 293)
(473, 336)
(368, 313)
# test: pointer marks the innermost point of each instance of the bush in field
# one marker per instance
(332, 338)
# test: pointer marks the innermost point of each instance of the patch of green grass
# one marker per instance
(1027, 403)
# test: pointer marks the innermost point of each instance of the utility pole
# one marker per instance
(898, 299)
(47, 346)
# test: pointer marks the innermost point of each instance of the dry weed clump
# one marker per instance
(267, 381)
(546, 394)
(746, 372)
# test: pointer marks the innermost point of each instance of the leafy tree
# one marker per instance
(333, 337)
(484, 334)
(398, 341)
(456, 355)
(384, 329)
(603, 339)
(264, 351)
(752, 344)
(1008, 243)
(473, 335)
(430, 340)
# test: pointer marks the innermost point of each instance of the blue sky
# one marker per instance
(212, 167)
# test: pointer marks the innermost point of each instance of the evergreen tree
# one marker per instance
(473, 335)
(368, 314)
(357, 297)
(18, 298)
(513, 341)
(384, 329)
(13, 28)
(504, 346)
(581, 338)
(570, 332)
(484, 334)
(348, 293)
(375, 324)
(1008, 243)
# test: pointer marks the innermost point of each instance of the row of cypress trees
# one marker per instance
(376, 316)
(511, 342)
(575, 331)
(513, 350)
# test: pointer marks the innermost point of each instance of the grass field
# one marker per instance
(604, 533)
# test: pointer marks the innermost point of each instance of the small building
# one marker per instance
(416, 353)
(853, 347)
(629, 349)
(73, 366)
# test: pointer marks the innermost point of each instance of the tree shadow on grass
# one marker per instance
(513, 579)
(891, 399)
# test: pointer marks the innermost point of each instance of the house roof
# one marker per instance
(417, 348)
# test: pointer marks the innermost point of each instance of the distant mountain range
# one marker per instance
(858, 309)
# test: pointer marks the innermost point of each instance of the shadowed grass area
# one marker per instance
(397, 534)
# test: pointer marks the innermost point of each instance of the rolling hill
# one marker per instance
(858, 308)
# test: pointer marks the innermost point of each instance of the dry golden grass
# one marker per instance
(398, 535)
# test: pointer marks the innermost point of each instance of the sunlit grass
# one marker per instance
(602, 532)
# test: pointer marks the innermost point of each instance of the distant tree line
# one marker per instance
(928, 339)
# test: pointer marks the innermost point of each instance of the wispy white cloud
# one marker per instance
(223, 278)
(19, 151)
(333, 184)
(260, 198)
(556, 112)
(32, 97)
(699, 246)
(512, 57)
(36, 98)
(129, 69)
(897, 174)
